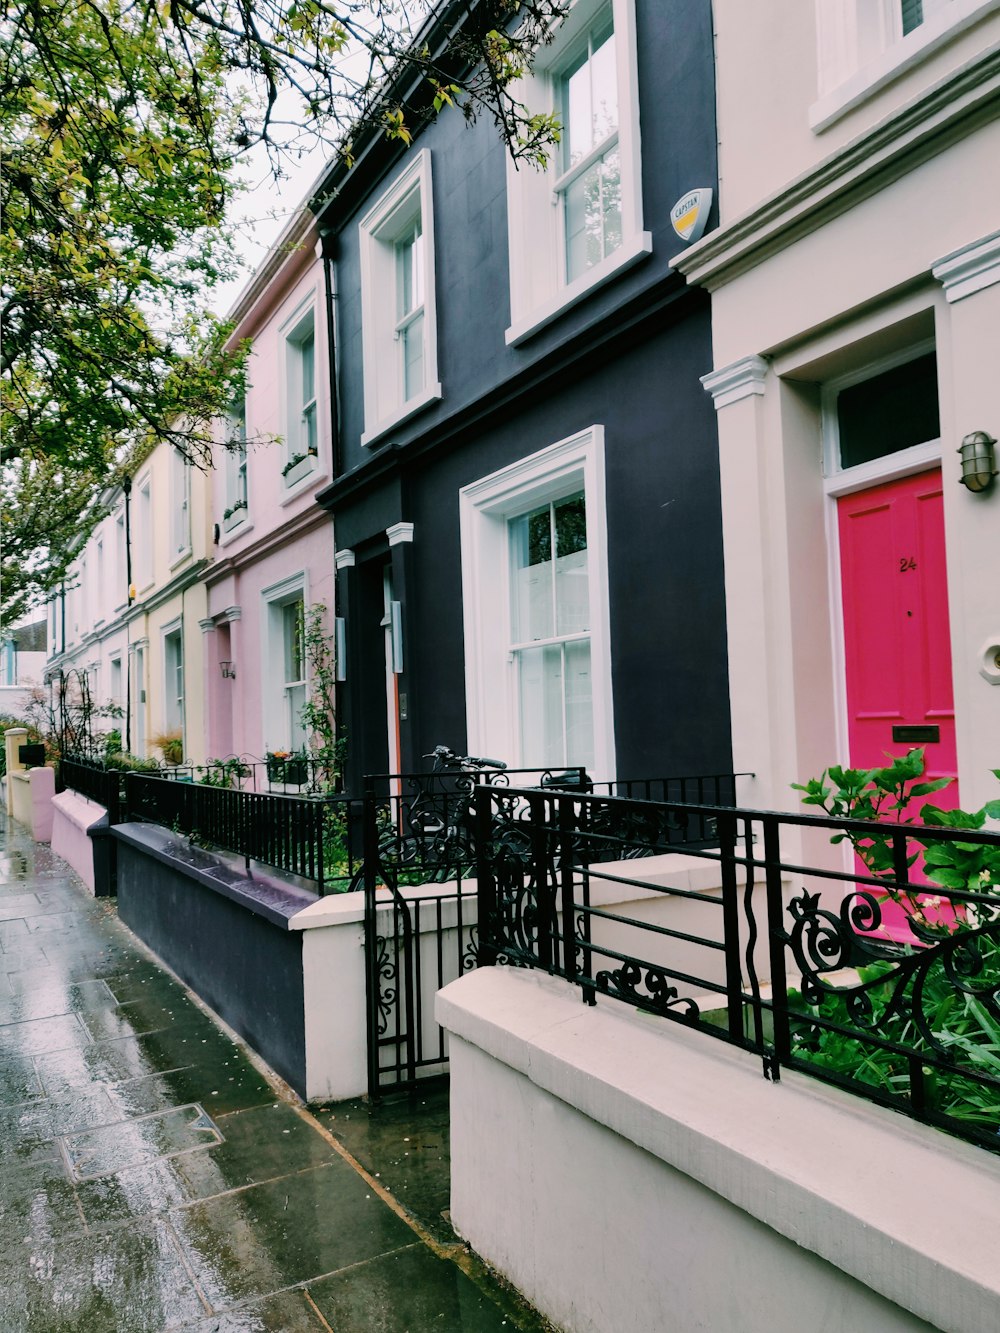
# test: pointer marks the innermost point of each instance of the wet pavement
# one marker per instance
(153, 1176)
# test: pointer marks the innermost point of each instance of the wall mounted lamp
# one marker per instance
(228, 669)
(979, 461)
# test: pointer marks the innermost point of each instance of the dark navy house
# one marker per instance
(526, 507)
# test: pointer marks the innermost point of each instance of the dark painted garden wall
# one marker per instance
(243, 965)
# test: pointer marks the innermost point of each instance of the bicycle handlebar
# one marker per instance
(444, 755)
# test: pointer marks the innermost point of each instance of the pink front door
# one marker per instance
(896, 630)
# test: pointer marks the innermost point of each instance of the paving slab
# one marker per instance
(154, 1175)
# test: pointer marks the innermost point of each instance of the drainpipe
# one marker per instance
(328, 244)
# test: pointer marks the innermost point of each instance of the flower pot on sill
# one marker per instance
(294, 772)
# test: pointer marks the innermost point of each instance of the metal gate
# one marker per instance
(420, 919)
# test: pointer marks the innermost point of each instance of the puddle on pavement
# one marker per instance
(101, 1152)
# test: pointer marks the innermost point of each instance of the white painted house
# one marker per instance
(855, 281)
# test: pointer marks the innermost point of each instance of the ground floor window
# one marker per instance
(537, 642)
(284, 683)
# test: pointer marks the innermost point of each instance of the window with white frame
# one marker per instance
(99, 578)
(236, 508)
(285, 684)
(579, 222)
(143, 535)
(173, 682)
(397, 301)
(180, 504)
(301, 427)
(534, 569)
(115, 679)
(883, 409)
(863, 44)
(120, 590)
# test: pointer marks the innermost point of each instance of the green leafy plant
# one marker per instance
(293, 463)
(226, 773)
(926, 1000)
(326, 749)
(886, 797)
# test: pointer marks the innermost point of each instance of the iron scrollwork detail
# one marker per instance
(646, 987)
(893, 983)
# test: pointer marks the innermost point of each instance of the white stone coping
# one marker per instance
(907, 1210)
(79, 810)
(684, 872)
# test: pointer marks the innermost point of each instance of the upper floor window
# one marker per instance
(236, 497)
(409, 333)
(397, 301)
(301, 427)
(588, 79)
(863, 45)
(143, 535)
(180, 505)
(120, 591)
(589, 188)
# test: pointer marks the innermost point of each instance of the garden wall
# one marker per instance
(624, 1172)
(73, 819)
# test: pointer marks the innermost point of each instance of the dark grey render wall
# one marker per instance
(241, 962)
(677, 125)
(628, 357)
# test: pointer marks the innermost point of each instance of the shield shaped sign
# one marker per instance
(690, 214)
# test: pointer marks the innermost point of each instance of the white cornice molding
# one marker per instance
(207, 624)
(929, 124)
(742, 379)
(231, 613)
(344, 559)
(970, 269)
(399, 533)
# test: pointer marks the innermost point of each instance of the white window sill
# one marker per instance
(631, 252)
(305, 467)
(432, 394)
(230, 534)
(180, 558)
(304, 481)
(902, 56)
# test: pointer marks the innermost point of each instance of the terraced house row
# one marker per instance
(574, 490)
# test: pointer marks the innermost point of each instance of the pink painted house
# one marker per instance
(273, 544)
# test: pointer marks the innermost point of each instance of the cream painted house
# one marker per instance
(140, 645)
(855, 282)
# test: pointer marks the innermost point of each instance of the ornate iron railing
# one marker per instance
(884, 983)
(278, 774)
(92, 779)
(312, 838)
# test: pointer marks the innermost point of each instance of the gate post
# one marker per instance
(486, 885)
(369, 855)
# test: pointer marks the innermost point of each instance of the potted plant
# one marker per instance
(291, 769)
(171, 745)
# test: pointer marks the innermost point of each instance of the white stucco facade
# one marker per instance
(860, 222)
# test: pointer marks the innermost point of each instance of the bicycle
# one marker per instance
(440, 819)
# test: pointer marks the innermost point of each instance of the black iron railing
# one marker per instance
(883, 983)
(92, 779)
(279, 774)
(312, 838)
